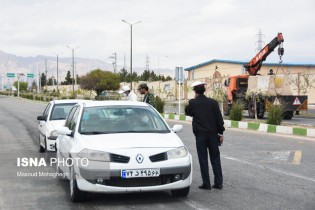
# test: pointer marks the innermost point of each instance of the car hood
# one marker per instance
(56, 124)
(131, 140)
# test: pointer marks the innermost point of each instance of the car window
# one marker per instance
(70, 115)
(46, 111)
(73, 121)
(121, 119)
(60, 111)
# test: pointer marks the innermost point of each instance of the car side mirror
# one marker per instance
(42, 118)
(177, 128)
(64, 131)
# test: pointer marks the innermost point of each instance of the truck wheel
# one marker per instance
(251, 112)
(226, 107)
(288, 115)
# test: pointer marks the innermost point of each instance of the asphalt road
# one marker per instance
(261, 171)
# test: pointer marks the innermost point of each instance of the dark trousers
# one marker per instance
(205, 144)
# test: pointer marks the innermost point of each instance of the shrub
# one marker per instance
(37, 98)
(73, 95)
(236, 111)
(275, 114)
(159, 104)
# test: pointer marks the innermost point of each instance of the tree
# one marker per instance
(168, 78)
(43, 80)
(34, 85)
(23, 85)
(123, 75)
(100, 80)
(51, 81)
(68, 79)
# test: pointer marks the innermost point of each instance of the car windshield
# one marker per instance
(60, 111)
(121, 119)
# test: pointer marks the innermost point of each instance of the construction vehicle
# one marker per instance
(258, 92)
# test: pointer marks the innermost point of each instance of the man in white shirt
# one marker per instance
(128, 94)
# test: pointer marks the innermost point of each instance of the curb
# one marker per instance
(260, 127)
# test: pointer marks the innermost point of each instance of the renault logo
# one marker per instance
(139, 158)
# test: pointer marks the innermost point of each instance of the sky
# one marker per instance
(171, 32)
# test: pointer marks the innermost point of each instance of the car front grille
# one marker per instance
(158, 157)
(119, 158)
(139, 182)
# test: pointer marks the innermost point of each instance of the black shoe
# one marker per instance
(204, 187)
(219, 187)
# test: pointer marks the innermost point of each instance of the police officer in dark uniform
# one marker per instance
(208, 127)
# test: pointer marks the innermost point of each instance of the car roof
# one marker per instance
(113, 103)
(68, 101)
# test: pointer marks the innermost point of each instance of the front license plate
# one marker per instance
(151, 172)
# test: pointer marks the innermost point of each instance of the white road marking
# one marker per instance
(195, 205)
(271, 169)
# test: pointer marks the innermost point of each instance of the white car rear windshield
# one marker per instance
(60, 111)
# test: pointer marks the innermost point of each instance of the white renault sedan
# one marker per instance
(53, 117)
(119, 147)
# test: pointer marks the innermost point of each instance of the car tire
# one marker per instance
(59, 171)
(76, 195)
(180, 192)
(41, 149)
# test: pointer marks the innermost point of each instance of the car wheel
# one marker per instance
(58, 170)
(76, 195)
(41, 148)
(181, 192)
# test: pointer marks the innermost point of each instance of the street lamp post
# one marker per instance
(131, 24)
(45, 81)
(72, 67)
(57, 76)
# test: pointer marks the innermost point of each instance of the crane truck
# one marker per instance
(257, 92)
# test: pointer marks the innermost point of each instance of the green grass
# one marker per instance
(182, 117)
(171, 116)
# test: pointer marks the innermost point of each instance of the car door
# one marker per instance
(42, 127)
(66, 142)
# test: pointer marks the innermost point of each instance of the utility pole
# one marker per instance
(73, 76)
(147, 63)
(114, 57)
(57, 75)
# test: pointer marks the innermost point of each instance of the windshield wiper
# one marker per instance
(94, 133)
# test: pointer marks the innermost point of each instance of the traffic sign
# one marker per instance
(11, 75)
(30, 75)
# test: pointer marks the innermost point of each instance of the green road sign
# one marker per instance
(11, 75)
(29, 75)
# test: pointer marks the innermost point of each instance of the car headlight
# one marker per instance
(94, 155)
(53, 135)
(177, 153)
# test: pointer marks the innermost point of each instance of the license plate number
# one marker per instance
(151, 172)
